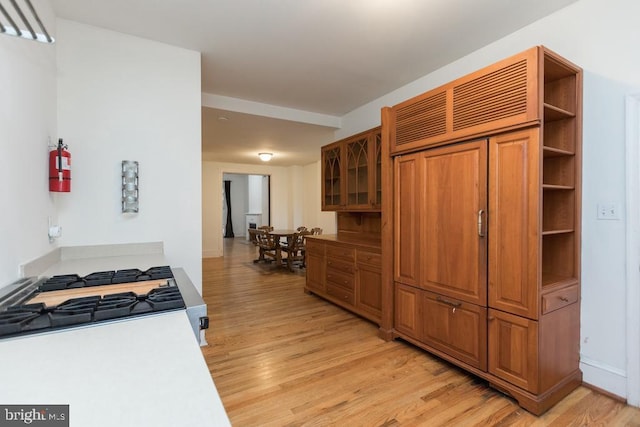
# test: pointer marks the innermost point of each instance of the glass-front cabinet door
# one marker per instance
(376, 179)
(332, 177)
(352, 173)
(357, 173)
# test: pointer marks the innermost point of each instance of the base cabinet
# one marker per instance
(315, 266)
(513, 347)
(347, 273)
(453, 327)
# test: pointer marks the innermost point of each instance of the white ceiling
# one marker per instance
(321, 56)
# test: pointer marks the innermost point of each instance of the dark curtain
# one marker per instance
(228, 231)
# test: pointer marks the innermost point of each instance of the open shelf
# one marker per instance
(555, 152)
(556, 187)
(558, 211)
(548, 233)
(553, 113)
(558, 257)
(560, 135)
(558, 172)
(552, 280)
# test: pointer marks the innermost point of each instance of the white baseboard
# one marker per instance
(606, 377)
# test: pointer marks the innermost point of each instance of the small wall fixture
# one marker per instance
(129, 186)
(265, 157)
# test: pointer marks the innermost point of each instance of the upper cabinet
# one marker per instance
(351, 173)
(495, 98)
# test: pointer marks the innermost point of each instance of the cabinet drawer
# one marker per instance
(339, 266)
(560, 298)
(341, 252)
(315, 247)
(340, 293)
(340, 279)
(369, 257)
(456, 328)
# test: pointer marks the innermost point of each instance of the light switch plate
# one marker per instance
(610, 211)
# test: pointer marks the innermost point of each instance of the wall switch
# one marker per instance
(608, 211)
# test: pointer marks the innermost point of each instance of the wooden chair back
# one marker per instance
(295, 250)
(267, 244)
(253, 233)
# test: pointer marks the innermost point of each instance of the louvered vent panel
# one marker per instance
(493, 96)
(423, 119)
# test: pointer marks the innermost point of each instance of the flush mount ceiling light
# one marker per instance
(265, 157)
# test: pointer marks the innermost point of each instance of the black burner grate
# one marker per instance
(36, 317)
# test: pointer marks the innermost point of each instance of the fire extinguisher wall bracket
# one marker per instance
(60, 169)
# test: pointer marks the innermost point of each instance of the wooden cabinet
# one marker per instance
(486, 254)
(369, 282)
(351, 173)
(315, 265)
(496, 98)
(451, 229)
(352, 274)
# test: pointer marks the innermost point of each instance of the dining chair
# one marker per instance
(268, 246)
(253, 233)
(316, 230)
(295, 249)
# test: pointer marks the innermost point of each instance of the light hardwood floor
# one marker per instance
(280, 357)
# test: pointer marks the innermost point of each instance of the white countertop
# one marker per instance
(144, 371)
(138, 371)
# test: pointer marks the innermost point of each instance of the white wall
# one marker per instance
(603, 38)
(265, 206)
(126, 98)
(256, 195)
(27, 121)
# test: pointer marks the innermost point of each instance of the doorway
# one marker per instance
(250, 203)
(633, 248)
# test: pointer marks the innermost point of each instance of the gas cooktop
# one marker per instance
(70, 300)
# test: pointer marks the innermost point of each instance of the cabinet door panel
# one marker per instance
(376, 171)
(369, 289)
(407, 310)
(456, 328)
(453, 254)
(315, 271)
(514, 222)
(357, 173)
(406, 216)
(332, 183)
(513, 349)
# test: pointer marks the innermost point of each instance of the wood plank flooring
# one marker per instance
(280, 357)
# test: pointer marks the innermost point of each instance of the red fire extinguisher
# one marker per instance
(60, 169)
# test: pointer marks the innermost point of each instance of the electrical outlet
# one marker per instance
(608, 211)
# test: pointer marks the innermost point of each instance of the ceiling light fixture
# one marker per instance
(265, 157)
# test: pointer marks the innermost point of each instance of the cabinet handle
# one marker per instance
(564, 299)
(480, 228)
(446, 301)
